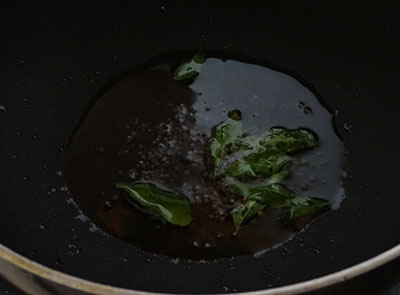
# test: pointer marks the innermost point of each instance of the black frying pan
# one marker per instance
(54, 57)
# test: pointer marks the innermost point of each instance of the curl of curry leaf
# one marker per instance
(288, 141)
(261, 163)
(244, 188)
(173, 207)
(225, 136)
(305, 206)
(246, 211)
(190, 68)
(274, 195)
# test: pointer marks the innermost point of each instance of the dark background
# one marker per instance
(55, 56)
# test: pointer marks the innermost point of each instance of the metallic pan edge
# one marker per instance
(37, 279)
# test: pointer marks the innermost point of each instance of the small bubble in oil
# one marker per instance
(64, 188)
(316, 250)
(59, 262)
(347, 127)
(225, 289)
(307, 110)
(108, 205)
(74, 250)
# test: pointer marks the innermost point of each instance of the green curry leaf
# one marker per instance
(245, 188)
(172, 207)
(225, 135)
(288, 140)
(189, 69)
(243, 144)
(273, 195)
(305, 206)
(260, 156)
(278, 177)
(262, 163)
(246, 211)
(239, 187)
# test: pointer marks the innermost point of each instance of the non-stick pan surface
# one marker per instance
(55, 56)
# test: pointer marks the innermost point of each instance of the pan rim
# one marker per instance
(94, 288)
